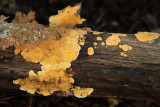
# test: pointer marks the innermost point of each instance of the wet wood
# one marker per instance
(110, 74)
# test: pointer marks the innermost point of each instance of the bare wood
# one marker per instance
(111, 75)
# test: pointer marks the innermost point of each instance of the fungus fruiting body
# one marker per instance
(96, 32)
(123, 54)
(146, 36)
(55, 57)
(82, 92)
(90, 51)
(112, 40)
(115, 40)
(56, 50)
(125, 47)
(67, 17)
(82, 41)
(102, 43)
(95, 43)
(99, 38)
(55, 47)
(118, 34)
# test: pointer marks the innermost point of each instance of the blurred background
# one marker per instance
(122, 16)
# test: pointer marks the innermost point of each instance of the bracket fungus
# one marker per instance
(112, 40)
(146, 36)
(82, 92)
(67, 17)
(54, 47)
(102, 43)
(99, 38)
(125, 47)
(95, 43)
(90, 51)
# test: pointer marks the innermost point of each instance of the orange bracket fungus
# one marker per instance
(54, 51)
(67, 17)
(55, 47)
(146, 36)
(119, 34)
(112, 40)
(90, 51)
(96, 32)
(99, 38)
(102, 43)
(95, 43)
(123, 54)
(125, 47)
(82, 92)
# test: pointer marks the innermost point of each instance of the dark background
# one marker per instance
(123, 16)
(127, 16)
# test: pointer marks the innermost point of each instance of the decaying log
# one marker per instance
(136, 76)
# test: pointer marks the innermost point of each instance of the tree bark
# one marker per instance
(110, 74)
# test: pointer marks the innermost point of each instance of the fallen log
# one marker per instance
(114, 65)
(136, 76)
